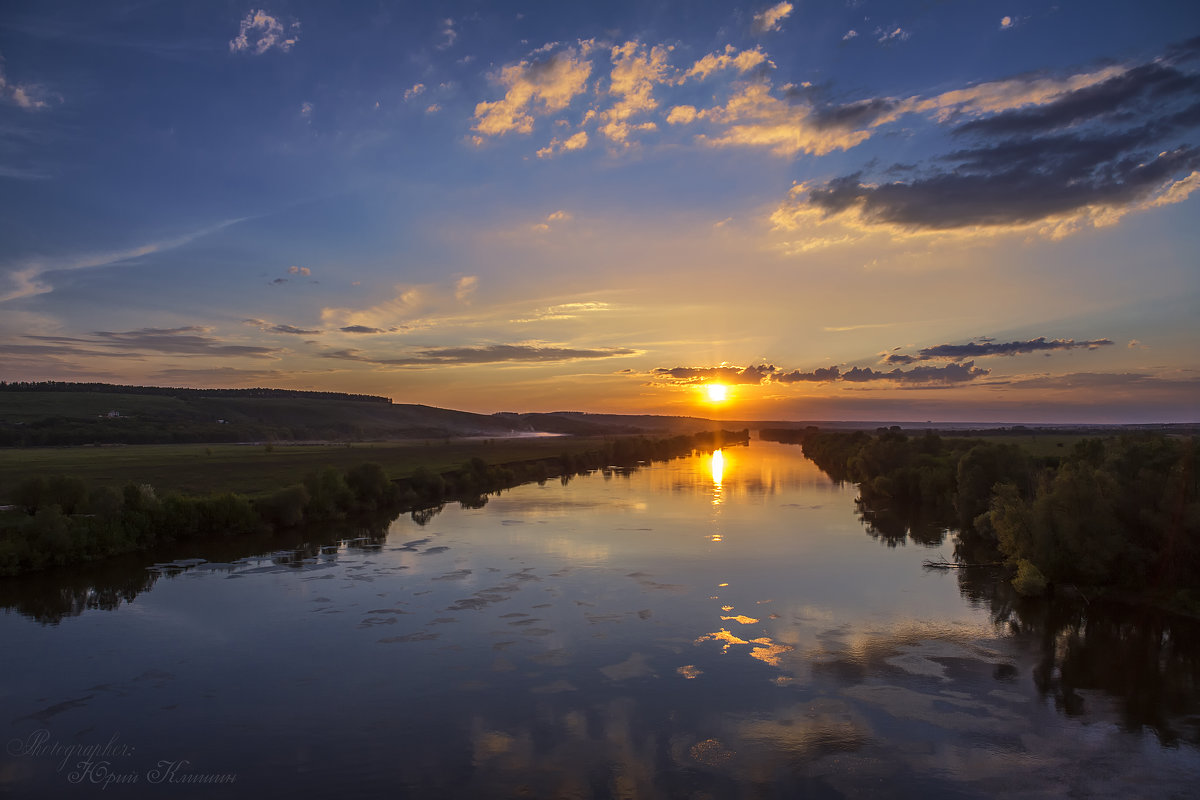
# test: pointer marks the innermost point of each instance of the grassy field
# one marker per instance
(255, 469)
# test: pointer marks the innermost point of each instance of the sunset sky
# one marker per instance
(967, 211)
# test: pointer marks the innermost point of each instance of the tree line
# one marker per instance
(1120, 512)
(61, 520)
(169, 391)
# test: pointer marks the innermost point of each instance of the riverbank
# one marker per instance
(63, 519)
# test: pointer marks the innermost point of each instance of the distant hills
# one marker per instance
(60, 413)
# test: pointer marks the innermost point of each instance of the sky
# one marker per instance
(862, 210)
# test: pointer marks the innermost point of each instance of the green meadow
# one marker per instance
(255, 469)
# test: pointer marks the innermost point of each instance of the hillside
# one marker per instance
(76, 414)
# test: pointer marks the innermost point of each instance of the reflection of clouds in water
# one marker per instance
(943, 710)
(573, 751)
(635, 666)
(764, 648)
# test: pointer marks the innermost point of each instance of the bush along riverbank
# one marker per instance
(1118, 515)
(60, 520)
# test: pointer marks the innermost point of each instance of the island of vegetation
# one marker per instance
(1117, 515)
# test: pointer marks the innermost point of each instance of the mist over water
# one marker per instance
(720, 626)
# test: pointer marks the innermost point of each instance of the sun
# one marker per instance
(716, 392)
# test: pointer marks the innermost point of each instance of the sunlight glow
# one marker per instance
(716, 392)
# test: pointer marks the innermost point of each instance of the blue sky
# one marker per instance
(959, 210)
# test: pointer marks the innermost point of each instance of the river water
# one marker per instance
(714, 626)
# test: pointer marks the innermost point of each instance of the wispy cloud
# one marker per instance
(25, 278)
(268, 327)
(191, 340)
(28, 96)
(482, 354)
(260, 32)
(985, 349)
(564, 311)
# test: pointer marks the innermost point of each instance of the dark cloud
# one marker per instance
(853, 116)
(825, 374)
(1113, 144)
(1111, 381)
(1118, 96)
(991, 348)
(730, 375)
(488, 354)
(360, 329)
(188, 341)
(947, 375)
(929, 376)
(281, 328)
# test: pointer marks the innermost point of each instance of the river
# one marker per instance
(713, 626)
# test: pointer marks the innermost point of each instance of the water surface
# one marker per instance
(716, 626)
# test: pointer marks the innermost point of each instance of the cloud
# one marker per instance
(682, 115)
(1048, 156)
(268, 327)
(433, 108)
(303, 271)
(731, 375)
(24, 95)
(190, 340)
(465, 287)
(947, 375)
(1007, 23)
(543, 86)
(360, 329)
(844, 328)
(563, 311)
(306, 110)
(260, 32)
(753, 117)
(450, 35)
(482, 354)
(577, 141)
(228, 376)
(988, 348)
(766, 373)
(770, 19)
(411, 307)
(416, 89)
(730, 59)
(1106, 382)
(891, 34)
(824, 375)
(25, 278)
(636, 70)
(556, 216)
(850, 34)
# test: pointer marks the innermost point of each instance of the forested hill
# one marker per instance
(54, 413)
(174, 391)
(40, 416)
